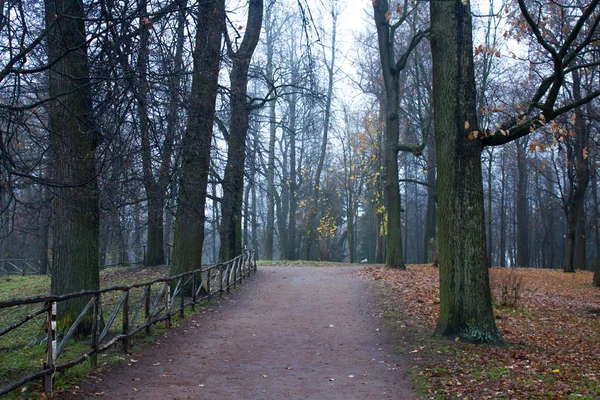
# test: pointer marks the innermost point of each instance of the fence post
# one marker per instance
(50, 347)
(228, 269)
(242, 270)
(194, 289)
(122, 257)
(235, 267)
(208, 282)
(167, 290)
(221, 280)
(95, 324)
(147, 309)
(182, 296)
(126, 323)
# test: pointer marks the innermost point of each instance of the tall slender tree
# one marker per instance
(233, 181)
(391, 67)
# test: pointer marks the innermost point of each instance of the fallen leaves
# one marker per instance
(552, 337)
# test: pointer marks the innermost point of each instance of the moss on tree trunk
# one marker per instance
(465, 297)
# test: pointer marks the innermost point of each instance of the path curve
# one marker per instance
(288, 333)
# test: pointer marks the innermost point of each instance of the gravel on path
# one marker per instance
(287, 333)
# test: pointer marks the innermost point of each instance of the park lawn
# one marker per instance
(552, 335)
(22, 351)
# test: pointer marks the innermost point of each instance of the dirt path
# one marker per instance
(289, 333)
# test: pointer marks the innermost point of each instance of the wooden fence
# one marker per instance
(158, 300)
(20, 266)
(126, 257)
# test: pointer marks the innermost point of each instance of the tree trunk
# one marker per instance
(579, 176)
(596, 279)
(465, 297)
(522, 206)
(254, 198)
(594, 176)
(380, 244)
(291, 244)
(391, 69)
(233, 181)
(430, 245)
(502, 228)
(270, 228)
(189, 223)
(73, 139)
(489, 208)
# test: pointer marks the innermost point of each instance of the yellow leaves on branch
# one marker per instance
(388, 16)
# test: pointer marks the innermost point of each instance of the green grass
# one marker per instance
(23, 350)
(18, 286)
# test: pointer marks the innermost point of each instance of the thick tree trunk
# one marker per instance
(73, 139)
(233, 181)
(189, 223)
(465, 297)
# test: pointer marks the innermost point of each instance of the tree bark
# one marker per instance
(73, 139)
(430, 241)
(594, 176)
(270, 226)
(489, 218)
(523, 259)
(391, 69)
(578, 174)
(465, 297)
(291, 244)
(233, 181)
(189, 223)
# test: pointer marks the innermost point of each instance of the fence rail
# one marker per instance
(21, 266)
(125, 257)
(159, 300)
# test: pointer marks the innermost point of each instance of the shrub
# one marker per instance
(506, 287)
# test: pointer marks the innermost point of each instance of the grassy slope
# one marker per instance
(22, 351)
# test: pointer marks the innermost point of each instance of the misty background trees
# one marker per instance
(158, 130)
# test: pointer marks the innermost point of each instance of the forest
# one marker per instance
(455, 132)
